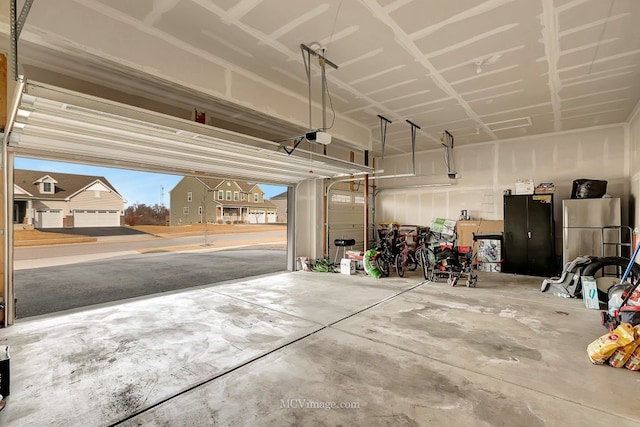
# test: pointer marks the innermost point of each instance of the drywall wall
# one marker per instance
(633, 130)
(309, 213)
(487, 169)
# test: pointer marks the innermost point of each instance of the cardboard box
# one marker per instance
(466, 229)
(524, 186)
(488, 250)
(493, 267)
(545, 188)
(443, 226)
(590, 292)
(347, 266)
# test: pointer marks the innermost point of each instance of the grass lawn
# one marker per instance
(36, 237)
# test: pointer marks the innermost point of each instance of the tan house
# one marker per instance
(56, 200)
(196, 200)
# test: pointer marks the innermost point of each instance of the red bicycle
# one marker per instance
(406, 257)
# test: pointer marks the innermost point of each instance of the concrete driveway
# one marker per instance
(62, 287)
(95, 231)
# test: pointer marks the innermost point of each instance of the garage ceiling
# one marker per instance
(483, 70)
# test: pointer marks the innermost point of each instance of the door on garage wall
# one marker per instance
(345, 217)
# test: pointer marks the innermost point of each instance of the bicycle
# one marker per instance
(385, 256)
(405, 258)
(425, 256)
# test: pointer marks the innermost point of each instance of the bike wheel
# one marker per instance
(412, 263)
(418, 257)
(400, 265)
(383, 265)
(427, 268)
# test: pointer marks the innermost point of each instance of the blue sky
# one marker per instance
(134, 186)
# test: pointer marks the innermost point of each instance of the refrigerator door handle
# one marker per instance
(529, 234)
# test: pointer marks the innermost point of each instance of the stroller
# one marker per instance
(450, 261)
(623, 305)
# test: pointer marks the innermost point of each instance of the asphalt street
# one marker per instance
(62, 287)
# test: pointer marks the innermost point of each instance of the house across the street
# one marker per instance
(199, 200)
(56, 200)
(280, 200)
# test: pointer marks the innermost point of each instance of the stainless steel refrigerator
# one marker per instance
(582, 228)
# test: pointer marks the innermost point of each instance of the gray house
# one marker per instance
(56, 200)
(280, 201)
(196, 200)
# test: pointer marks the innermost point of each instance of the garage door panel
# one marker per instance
(89, 218)
(346, 221)
(59, 124)
(48, 219)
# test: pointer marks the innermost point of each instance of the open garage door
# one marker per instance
(95, 218)
(58, 124)
(50, 123)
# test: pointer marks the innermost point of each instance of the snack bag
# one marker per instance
(633, 364)
(622, 354)
(602, 348)
(634, 298)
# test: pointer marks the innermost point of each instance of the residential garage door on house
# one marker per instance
(346, 219)
(256, 217)
(96, 218)
(50, 218)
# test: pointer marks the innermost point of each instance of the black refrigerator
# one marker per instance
(529, 236)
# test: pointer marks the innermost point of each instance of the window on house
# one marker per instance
(220, 194)
(199, 210)
(189, 196)
(255, 197)
(236, 196)
(242, 196)
(185, 210)
(228, 195)
(47, 187)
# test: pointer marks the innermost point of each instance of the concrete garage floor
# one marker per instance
(277, 349)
